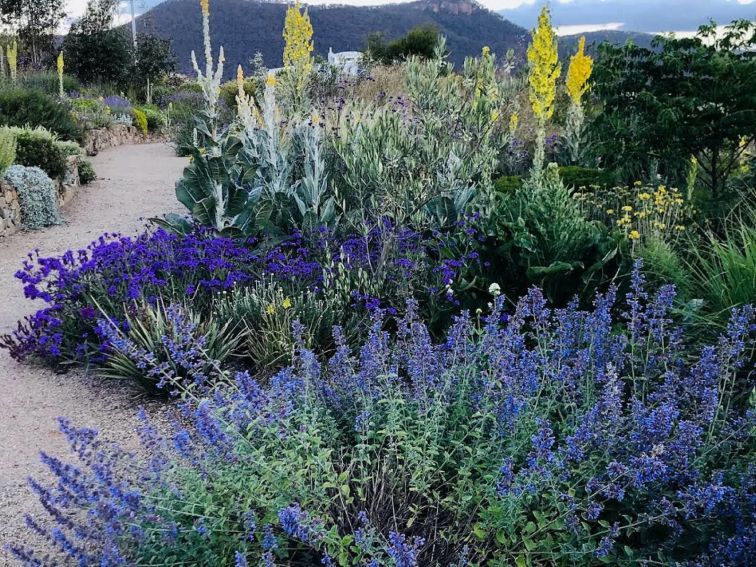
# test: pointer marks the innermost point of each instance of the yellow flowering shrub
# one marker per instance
(297, 55)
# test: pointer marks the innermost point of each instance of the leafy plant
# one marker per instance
(86, 172)
(268, 314)
(40, 148)
(37, 196)
(174, 337)
(23, 107)
(7, 149)
(140, 120)
(543, 235)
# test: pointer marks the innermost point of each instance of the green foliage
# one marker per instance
(418, 42)
(47, 82)
(722, 269)
(682, 98)
(545, 239)
(577, 177)
(140, 120)
(86, 172)
(7, 149)
(91, 113)
(421, 172)
(266, 314)
(573, 177)
(154, 328)
(155, 117)
(23, 107)
(37, 196)
(507, 183)
(39, 148)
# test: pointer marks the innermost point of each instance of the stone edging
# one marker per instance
(117, 135)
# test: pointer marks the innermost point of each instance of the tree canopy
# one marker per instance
(682, 98)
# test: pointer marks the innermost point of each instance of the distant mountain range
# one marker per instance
(243, 27)
(649, 16)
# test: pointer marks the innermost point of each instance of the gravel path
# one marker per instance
(134, 183)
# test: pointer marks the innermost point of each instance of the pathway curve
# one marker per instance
(134, 182)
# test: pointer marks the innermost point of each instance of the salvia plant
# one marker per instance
(533, 436)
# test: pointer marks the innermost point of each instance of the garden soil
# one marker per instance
(134, 183)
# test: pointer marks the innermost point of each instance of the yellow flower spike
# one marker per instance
(205, 6)
(578, 73)
(61, 65)
(544, 67)
(287, 303)
(644, 196)
(494, 116)
(610, 211)
(514, 121)
(486, 51)
(270, 80)
(634, 235)
(627, 208)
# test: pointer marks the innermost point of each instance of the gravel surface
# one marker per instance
(134, 183)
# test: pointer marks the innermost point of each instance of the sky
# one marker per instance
(75, 8)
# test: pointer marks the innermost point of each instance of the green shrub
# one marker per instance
(140, 120)
(155, 117)
(230, 89)
(572, 177)
(507, 184)
(22, 107)
(86, 172)
(7, 149)
(37, 196)
(91, 113)
(69, 148)
(576, 177)
(47, 82)
(39, 148)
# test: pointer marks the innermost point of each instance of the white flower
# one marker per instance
(494, 289)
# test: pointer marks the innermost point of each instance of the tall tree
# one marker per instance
(35, 22)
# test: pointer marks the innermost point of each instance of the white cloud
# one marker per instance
(586, 28)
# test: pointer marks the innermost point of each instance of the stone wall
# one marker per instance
(10, 210)
(117, 135)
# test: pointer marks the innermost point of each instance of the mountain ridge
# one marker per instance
(466, 24)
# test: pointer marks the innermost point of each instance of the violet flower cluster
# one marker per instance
(546, 435)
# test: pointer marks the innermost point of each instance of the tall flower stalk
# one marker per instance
(578, 73)
(11, 53)
(542, 78)
(210, 80)
(297, 55)
(61, 66)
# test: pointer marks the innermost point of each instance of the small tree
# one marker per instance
(35, 21)
(682, 98)
(419, 42)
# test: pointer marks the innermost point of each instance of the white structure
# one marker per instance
(348, 62)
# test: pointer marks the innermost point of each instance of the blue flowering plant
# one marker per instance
(533, 436)
(113, 274)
